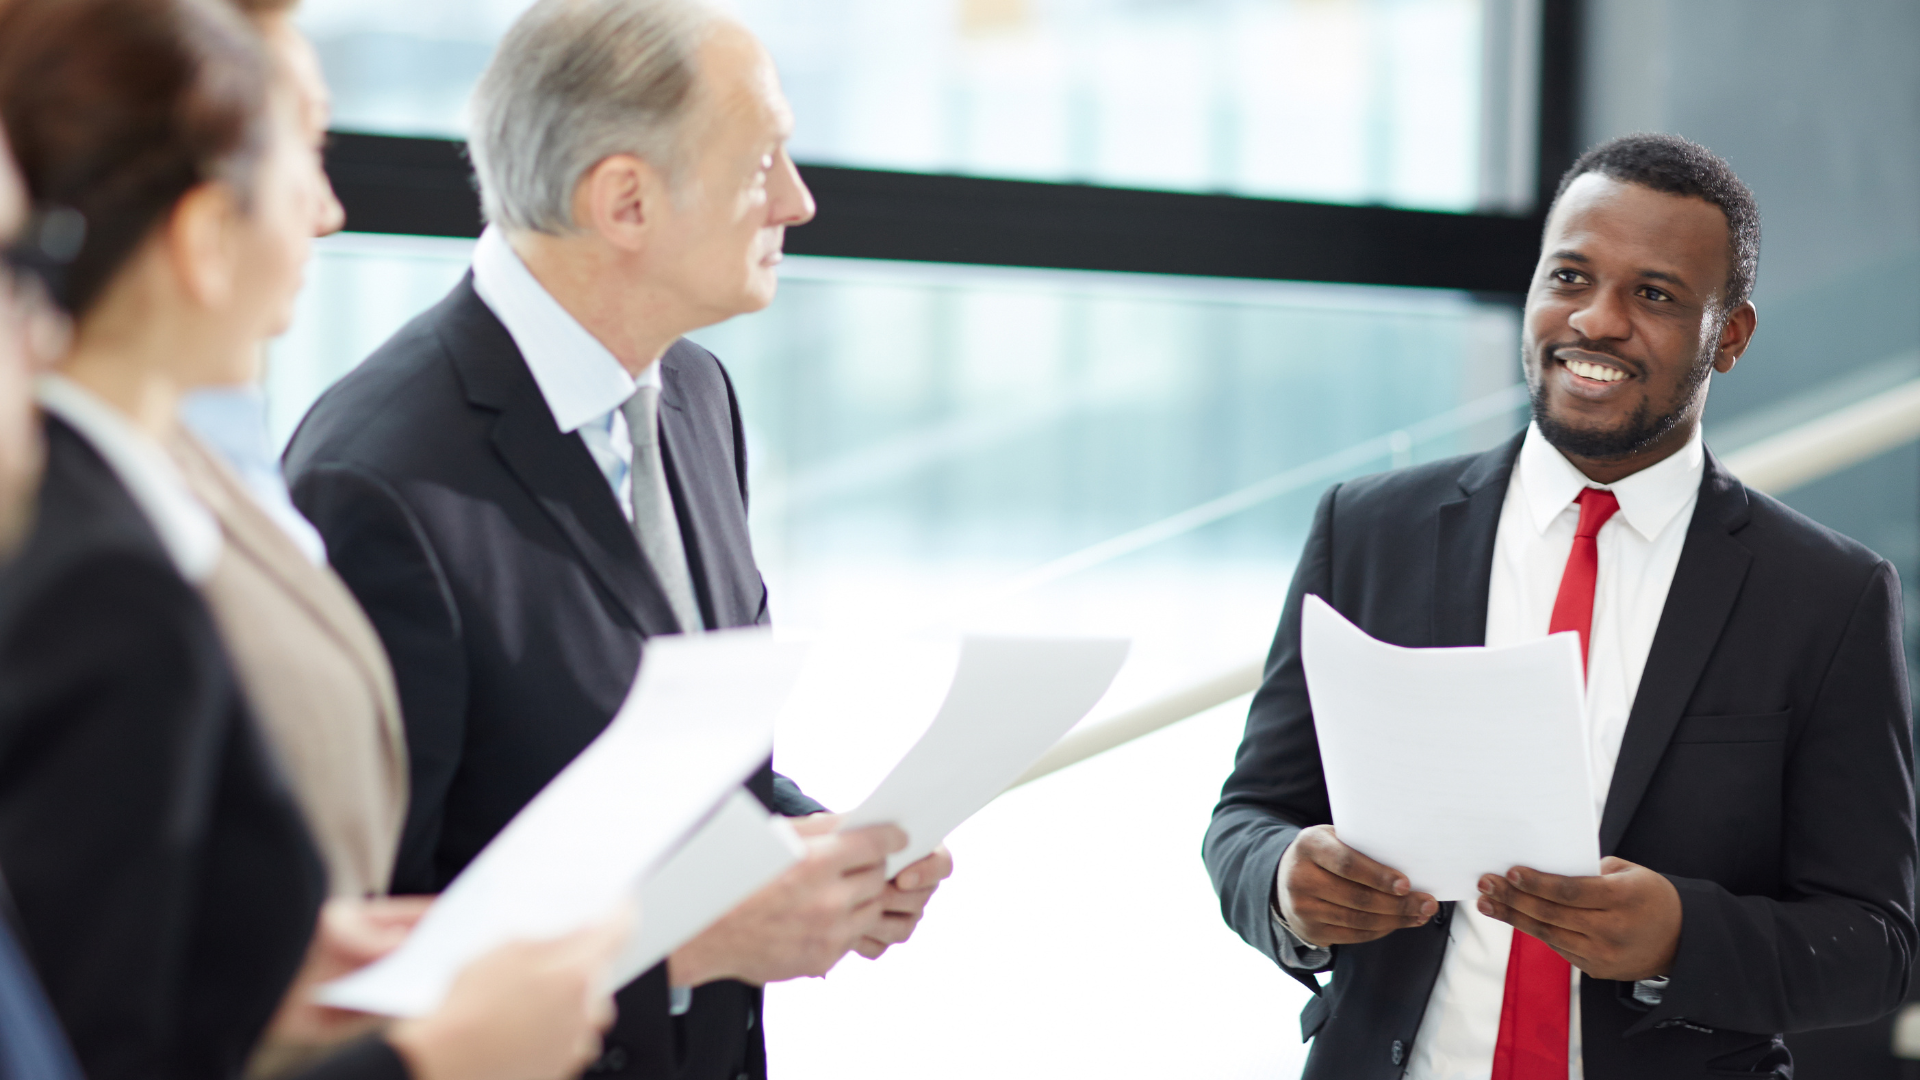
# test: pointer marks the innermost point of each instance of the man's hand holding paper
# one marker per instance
(903, 902)
(893, 918)
(1330, 894)
(802, 923)
(759, 900)
(1623, 924)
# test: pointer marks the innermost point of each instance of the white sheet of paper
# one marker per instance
(1447, 764)
(697, 721)
(738, 850)
(1010, 701)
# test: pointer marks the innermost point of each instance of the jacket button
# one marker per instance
(1440, 917)
(1399, 1051)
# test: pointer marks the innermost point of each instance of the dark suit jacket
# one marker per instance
(1766, 770)
(514, 601)
(164, 880)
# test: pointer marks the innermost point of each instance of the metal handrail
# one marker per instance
(1777, 464)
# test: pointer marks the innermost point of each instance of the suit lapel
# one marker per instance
(1463, 548)
(554, 468)
(1713, 566)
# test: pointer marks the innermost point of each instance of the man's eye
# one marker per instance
(1652, 293)
(1567, 277)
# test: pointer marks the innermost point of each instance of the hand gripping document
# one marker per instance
(737, 850)
(1010, 700)
(1447, 764)
(698, 720)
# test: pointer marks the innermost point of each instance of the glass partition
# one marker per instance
(939, 448)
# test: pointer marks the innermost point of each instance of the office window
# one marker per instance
(1413, 103)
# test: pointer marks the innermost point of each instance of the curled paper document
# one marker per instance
(1011, 699)
(739, 849)
(1447, 764)
(698, 720)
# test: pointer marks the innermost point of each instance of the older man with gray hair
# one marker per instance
(540, 473)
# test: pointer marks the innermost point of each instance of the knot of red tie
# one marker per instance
(1596, 506)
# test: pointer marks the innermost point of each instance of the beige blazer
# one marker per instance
(316, 674)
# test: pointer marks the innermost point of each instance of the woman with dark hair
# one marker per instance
(165, 882)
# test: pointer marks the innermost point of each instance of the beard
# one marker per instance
(1644, 427)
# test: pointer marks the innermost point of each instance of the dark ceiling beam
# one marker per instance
(423, 186)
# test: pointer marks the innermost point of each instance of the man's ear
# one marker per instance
(202, 241)
(1735, 336)
(621, 199)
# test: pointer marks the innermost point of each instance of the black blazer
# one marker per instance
(1766, 769)
(514, 601)
(165, 884)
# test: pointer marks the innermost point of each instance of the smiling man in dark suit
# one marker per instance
(1747, 701)
(540, 473)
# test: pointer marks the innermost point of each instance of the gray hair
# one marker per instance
(573, 83)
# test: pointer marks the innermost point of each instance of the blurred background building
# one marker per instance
(1103, 293)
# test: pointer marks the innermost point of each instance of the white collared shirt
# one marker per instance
(582, 382)
(187, 529)
(1639, 550)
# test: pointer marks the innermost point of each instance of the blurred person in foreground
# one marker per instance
(531, 479)
(166, 886)
(1746, 701)
(32, 1046)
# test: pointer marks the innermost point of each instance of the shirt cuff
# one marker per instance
(1651, 991)
(1295, 953)
(679, 1000)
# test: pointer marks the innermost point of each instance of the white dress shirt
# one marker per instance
(187, 528)
(1639, 549)
(583, 384)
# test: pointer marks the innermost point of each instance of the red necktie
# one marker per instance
(1534, 1012)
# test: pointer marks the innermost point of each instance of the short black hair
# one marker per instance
(1680, 166)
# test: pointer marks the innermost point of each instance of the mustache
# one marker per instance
(1553, 351)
